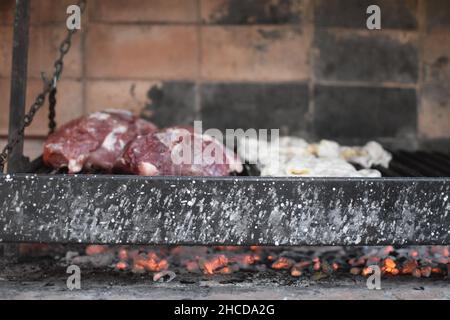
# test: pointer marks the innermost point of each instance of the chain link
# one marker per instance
(49, 89)
(52, 111)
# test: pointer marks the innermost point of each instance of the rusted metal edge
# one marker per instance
(19, 68)
(16, 161)
(226, 211)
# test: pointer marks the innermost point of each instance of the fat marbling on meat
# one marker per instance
(94, 141)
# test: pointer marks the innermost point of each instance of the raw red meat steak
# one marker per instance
(156, 154)
(94, 141)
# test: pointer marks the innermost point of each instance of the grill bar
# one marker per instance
(436, 157)
(429, 160)
(443, 157)
(417, 164)
(403, 169)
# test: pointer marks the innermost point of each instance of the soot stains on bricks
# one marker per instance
(438, 14)
(441, 62)
(373, 57)
(255, 105)
(351, 13)
(172, 103)
(366, 113)
(256, 12)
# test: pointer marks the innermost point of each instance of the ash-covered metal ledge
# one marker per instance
(232, 210)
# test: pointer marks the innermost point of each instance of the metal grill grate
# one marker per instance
(417, 164)
(403, 164)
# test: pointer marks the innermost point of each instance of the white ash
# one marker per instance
(293, 156)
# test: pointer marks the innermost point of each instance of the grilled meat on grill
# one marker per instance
(94, 141)
(178, 151)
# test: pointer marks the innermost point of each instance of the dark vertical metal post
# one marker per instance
(16, 161)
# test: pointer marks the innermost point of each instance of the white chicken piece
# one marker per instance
(326, 149)
(326, 167)
(371, 154)
(293, 156)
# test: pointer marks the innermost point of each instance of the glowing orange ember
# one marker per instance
(283, 263)
(218, 262)
(121, 265)
(389, 266)
(151, 262)
(366, 271)
(389, 263)
(420, 262)
(138, 268)
(245, 259)
(296, 272)
(96, 249)
(409, 267)
(436, 270)
(225, 270)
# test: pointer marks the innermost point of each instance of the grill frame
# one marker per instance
(224, 211)
(36, 223)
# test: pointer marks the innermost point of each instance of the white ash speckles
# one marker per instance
(227, 210)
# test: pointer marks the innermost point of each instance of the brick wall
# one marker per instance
(308, 67)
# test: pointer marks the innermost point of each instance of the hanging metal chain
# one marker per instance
(52, 111)
(49, 88)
